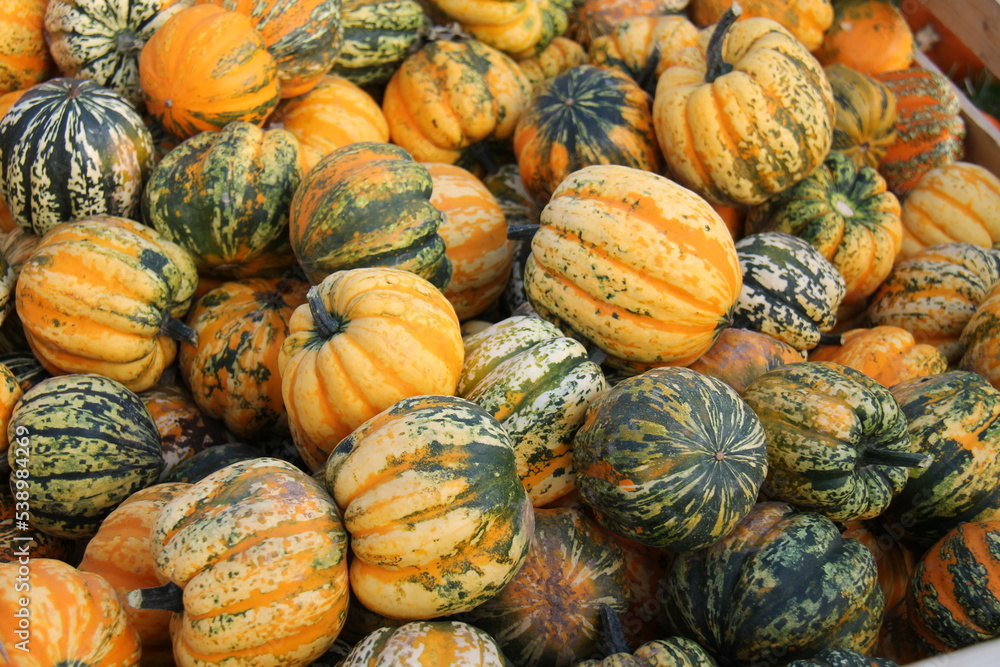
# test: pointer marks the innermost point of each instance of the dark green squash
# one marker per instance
(210, 459)
(378, 36)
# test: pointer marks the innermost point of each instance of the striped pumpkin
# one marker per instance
(426, 644)
(670, 458)
(644, 46)
(655, 280)
(204, 463)
(775, 299)
(24, 56)
(740, 356)
(561, 54)
(865, 123)
(594, 18)
(980, 339)
(184, 429)
(101, 41)
(460, 523)
(520, 29)
(585, 116)
(15, 539)
(93, 443)
(378, 35)
(895, 562)
(70, 148)
(10, 394)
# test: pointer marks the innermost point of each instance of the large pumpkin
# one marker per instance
(638, 265)
(378, 35)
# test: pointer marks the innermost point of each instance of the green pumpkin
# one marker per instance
(670, 458)
(202, 464)
(669, 652)
(377, 38)
(837, 442)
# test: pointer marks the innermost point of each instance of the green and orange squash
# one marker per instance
(740, 356)
(865, 122)
(16, 540)
(378, 35)
(980, 338)
(644, 46)
(887, 354)
(24, 56)
(593, 18)
(561, 54)
(808, 20)
(520, 29)
(184, 429)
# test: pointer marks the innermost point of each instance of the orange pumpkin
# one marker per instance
(643, 46)
(980, 339)
(24, 55)
(870, 36)
(593, 18)
(184, 429)
(740, 356)
(10, 392)
(895, 563)
(886, 354)
(561, 54)
(808, 20)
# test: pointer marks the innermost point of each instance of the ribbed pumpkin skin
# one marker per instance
(392, 335)
(808, 20)
(538, 384)
(70, 148)
(682, 281)
(846, 213)
(549, 612)
(740, 356)
(981, 337)
(753, 131)
(95, 296)
(426, 644)
(889, 355)
(670, 458)
(561, 54)
(224, 196)
(593, 18)
(954, 596)
(368, 204)
(76, 618)
(643, 46)
(870, 36)
(377, 37)
(101, 40)
(207, 66)
(258, 535)
(934, 294)
(184, 429)
(954, 418)
(93, 444)
(955, 202)
(233, 371)
(585, 116)
(24, 56)
(774, 300)
(833, 439)
(459, 523)
(929, 130)
(865, 122)
(121, 552)
(520, 29)
(782, 585)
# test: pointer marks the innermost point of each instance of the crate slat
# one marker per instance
(975, 22)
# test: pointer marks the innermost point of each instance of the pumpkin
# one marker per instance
(102, 295)
(774, 300)
(18, 538)
(121, 552)
(865, 123)
(585, 116)
(645, 569)
(25, 367)
(184, 429)
(71, 617)
(258, 552)
(953, 418)
(204, 463)
(303, 36)
(224, 196)
(887, 354)
(837, 442)
(822, 591)
(365, 339)
(670, 458)
(672, 651)
(930, 130)
(954, 202)
(378, 35)
(426, 644)
(845, 212)
(745, 114)
(662, 299)
(101, 41)
(521, 29)
(808, 20)
(60, 130)
(538, 384)
(335, 112)
(450, 96)
(561, 54)
(934, 294)
(643, 46)
(549, 613)
(233, 370)
(740, 356)
(368, 204)
(24, 56)
(460, 521)
(205, 67)
(979, 339)
(895, 562)
(594, 18)
(474, 230)
(10, 393)
(870, 36)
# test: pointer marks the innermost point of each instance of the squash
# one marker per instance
(75, 618)
(366, 339)
(561, 54)
(745, 114)
(644, 46)
(10, 394)
(184, 429)
(378, 35)
(204, 463)
(101, 41)
(670, 458)
(740, 356)
(24, 56)
(807, 20)
(368, 204)
(25, 367)
(520, 29)
(102, 295)
(653, 280)
(870, 36)
(460, 521)
(895, 562)
(865, 122)
(980, 338)
(585, 116)
(427, 644)
(645, 569)
(672, 651)
(887, 354)
(205, 67)
(224, 196)
(56, 132)
(837, 442)
(593, 18)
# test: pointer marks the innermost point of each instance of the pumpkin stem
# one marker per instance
(716, 65)
(522, 231)
(831, 339)
(177, 330)
(327, 326)
(168, 597)
(884, 457)
(614, 636)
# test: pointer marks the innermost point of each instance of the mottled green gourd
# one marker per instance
(378, 35)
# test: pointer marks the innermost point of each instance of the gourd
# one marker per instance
(520, 29)
(887, 354)
(857, 27)
(979, 339)
(378, 35)
(740, 356)
(25, 61)
(184, 429)
(808, 20)
(865, 122)
(427, 644)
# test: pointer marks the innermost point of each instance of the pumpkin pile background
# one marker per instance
(536, 333)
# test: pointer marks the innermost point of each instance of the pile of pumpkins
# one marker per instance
(463, 332)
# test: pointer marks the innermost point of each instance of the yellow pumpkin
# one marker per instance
(808, 20)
